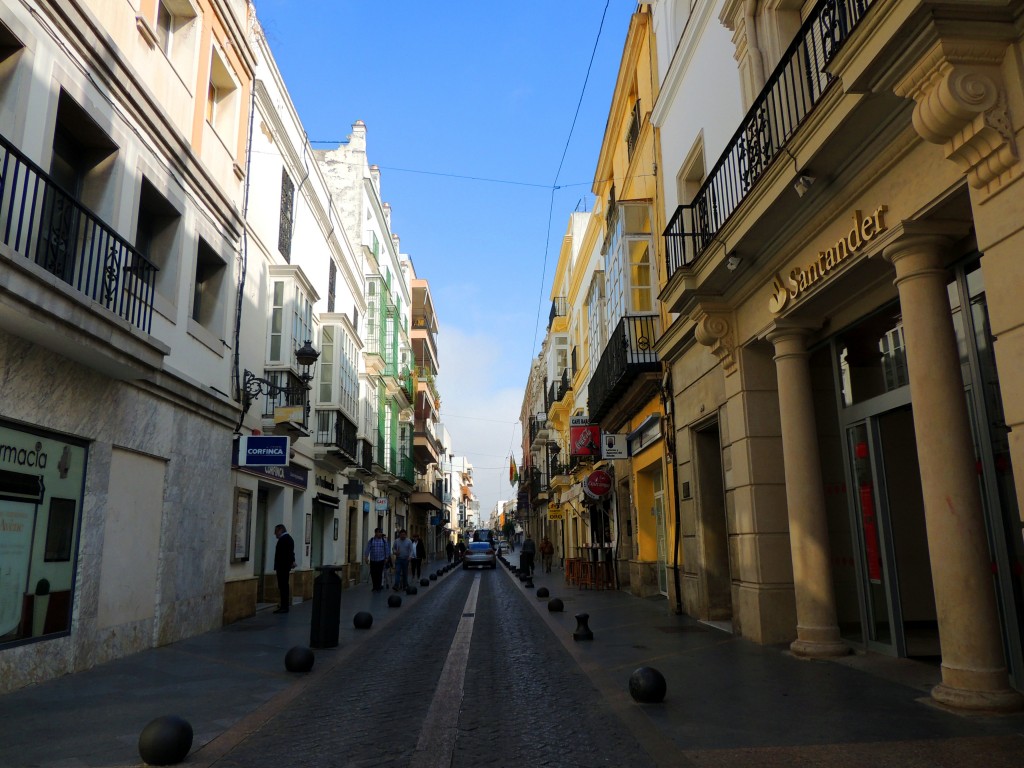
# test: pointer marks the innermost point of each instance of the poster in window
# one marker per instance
(241, 523)
(60, 530)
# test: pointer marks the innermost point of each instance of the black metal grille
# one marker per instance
(50, 228)
(791, 93)
(559, 308)
(629, 353)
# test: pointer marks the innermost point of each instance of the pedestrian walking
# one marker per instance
(526, 554)
(460, 550)
(376, 554)
(403, 552)
(284, 561)
(419, 555)
(547, 551)
(449, 549)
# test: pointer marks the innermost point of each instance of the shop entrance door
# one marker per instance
(898, 600)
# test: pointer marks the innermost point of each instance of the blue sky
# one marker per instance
(487, 90)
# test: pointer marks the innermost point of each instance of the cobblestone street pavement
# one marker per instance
(524, 699)
(475, 671)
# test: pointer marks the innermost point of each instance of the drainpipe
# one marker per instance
(239, 299)
(670, 454)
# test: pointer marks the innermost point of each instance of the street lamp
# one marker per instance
(253, 387)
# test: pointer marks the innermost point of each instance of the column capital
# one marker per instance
(919, 247)
(791, 330)
(960, 92)
(713, 327)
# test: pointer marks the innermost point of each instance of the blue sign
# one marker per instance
(263, 451)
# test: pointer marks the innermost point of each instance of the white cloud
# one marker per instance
(480, 407)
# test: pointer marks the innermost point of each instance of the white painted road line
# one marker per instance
(436, 744)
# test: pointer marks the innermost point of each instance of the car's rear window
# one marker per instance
(479, 546)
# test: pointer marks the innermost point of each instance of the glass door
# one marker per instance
(880, 600)
(660, 533)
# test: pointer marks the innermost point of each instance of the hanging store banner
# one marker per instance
(556, 514)
(614, 447)
(597, 484)
(382, 504)
(585, 440)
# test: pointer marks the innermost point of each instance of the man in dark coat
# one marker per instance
(284, 561)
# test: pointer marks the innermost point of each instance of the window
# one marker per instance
(207, 309)
(326, 364)
(302, 319)
(284, 231)
(276, 322)
(631, 279)
(222, 99)
(176, 28)
(156, 237)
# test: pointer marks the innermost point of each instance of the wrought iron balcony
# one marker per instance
(364, 456)
(47, 226)
(633, 132)
(790, 95)
(334, 428)
(537, 426)
(629, 353)
(558, 389)
(559, 308)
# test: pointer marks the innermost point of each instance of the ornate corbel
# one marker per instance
(713, 328)
(961, 104)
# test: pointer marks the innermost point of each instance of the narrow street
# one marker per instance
(520, 702)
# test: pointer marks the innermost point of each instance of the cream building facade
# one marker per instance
(847, 338)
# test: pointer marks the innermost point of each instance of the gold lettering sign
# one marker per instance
(799, 279)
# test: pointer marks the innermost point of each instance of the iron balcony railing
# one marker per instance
(628, 354)
(558, 389)
(536, 424)
(288, 391)
(364, 456)
(407, 468)
(47, 226)
(559, 308)
(335, 428)
(633, 132)
(791, 93)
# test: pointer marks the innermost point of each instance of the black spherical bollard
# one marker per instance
(394, 601)
(440, 573)
(424, 583)
(582, 628)
(433, 577)
(298, 659)
(543, 592)
(647, 685)
(555, 605)
(362, 620)
(411, 590)
(165, 741)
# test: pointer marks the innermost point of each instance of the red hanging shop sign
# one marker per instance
(597, 484)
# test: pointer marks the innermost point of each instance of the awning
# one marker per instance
(328, 501)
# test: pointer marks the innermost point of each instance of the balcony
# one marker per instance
(559, 308)
(628, 355)
(538, 427)
(337, 433)
(364, 456)
(633, 131)
(558, 389)
(426, 446)
(48, 227)
(794, 89)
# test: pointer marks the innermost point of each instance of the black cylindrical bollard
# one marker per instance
(326, 619)
(582, 628)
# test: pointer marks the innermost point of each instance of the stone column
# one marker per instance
(974, 672)
(817, 629)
